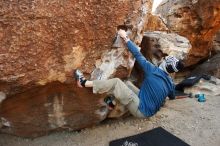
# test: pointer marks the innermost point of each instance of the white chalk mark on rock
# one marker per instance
(4, 122)
(2, 96)
(56, 118)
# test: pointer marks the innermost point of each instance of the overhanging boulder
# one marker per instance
(42, 43)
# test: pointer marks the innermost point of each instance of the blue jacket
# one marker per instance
(156, 86)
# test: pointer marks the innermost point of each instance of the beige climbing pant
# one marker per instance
(126, 93)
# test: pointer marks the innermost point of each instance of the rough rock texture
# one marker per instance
(211, 67)
(169, 43)
(42, 42)
(207, 87)
(55, 106)
(216, 43)
(197, 20)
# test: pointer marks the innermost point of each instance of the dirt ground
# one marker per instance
(196, 123)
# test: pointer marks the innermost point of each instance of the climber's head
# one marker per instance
(171, 64)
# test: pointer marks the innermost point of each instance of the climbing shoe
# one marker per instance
(80, 78)
(109, 100)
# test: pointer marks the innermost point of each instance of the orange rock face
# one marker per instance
(41, 43)
(197, 20)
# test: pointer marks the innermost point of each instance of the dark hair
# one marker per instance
(179, 67)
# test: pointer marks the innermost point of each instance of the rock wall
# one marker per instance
(41, 43)
(216, 43)
(169, 43)
(54, 106)
(197, 20)
(210, 67)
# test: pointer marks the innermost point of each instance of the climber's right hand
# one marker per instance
(123, 35)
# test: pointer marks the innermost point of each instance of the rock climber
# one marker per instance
(156, 86)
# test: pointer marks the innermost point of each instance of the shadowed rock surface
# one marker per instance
(55, 106)
(210, 67)
(216, 43)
